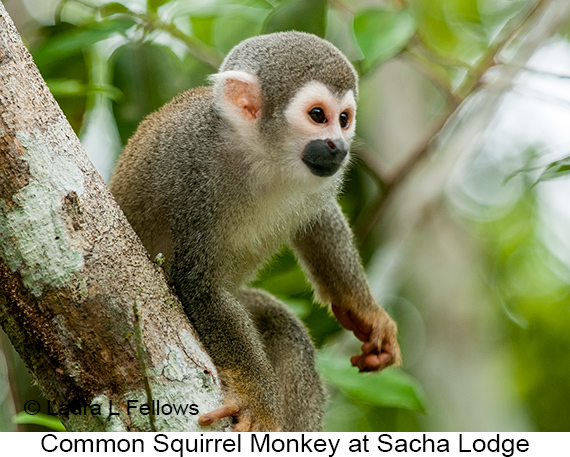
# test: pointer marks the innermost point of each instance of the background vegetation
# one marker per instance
(459, 195)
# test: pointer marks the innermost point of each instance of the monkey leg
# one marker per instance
(291, 352)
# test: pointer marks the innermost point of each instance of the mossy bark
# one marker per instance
(92, 317)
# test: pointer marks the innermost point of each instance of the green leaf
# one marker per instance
(44, 420)
(556, 169)
(61, 87)
(230, 30)
(149, 75)
(202, 28)
(381, 34)
(455, 28)
(77, 39)
(391, 388)
(289, 282)
(153, 5)
(113, 8)
(298, 15)
(67, 87)
(301, 308)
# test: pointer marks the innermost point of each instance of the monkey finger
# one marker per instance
(370, 347)
(217, 414)
(392, 348)
(372, 362)
(385, 355)
(365, 363)
(357, 361)
(385, 359)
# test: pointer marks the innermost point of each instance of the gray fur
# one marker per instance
(286, 61)
(190, 191)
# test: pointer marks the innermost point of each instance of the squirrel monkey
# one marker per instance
(223, 176)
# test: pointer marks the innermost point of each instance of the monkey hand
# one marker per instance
(378, 332)
(248, 416)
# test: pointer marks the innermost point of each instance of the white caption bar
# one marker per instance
(285, 444)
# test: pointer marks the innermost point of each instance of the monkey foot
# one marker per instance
(230, 409)
(243, 421)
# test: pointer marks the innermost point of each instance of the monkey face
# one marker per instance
(321, 126)
(303, 144)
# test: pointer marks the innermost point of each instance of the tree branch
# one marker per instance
(72, 270)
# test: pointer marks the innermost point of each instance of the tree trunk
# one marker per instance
(92, 317)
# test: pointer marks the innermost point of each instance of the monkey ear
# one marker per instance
(238, 93)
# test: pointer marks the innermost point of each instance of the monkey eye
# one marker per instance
(318, 115)
(343, 120)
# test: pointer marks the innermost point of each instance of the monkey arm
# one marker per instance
(327, 252)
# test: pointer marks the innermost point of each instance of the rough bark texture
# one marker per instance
(93, 318)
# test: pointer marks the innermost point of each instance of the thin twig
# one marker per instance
(491, 57)
(417, 47)
(434, 74)
(536, 71)
(365, 226)
(197, 48)
(341, 6)
(372, 163)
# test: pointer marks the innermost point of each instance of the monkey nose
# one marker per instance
(337, 150)
(325, 157)
(339, 146)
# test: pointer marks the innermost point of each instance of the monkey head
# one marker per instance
(291, 100)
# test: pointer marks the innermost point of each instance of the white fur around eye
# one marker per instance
(316, 94)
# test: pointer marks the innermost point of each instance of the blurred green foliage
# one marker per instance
(155, 49)
(535, 296)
